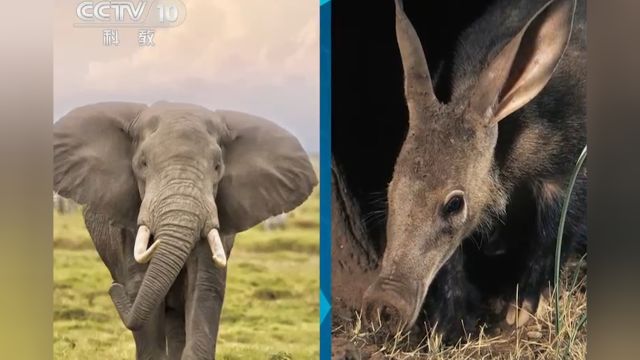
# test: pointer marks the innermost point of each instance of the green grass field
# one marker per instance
(271, 308)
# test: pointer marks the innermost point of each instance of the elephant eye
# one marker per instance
(143, 163)
(217, 167)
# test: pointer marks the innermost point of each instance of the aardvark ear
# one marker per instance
(267, 172)
(525, 65)
(92, 153)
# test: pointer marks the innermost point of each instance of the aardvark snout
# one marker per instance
(389, 304)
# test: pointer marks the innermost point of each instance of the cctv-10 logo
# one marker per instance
(158, 13)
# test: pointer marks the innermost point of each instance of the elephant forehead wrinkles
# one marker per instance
(183, 123)
(161, 116)
(182, 136)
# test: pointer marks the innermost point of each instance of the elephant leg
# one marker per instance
(150, 340)
(175, 333)
(174, 318)
(204, 297)
(110, 242)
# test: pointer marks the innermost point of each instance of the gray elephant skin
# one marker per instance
(165, 188)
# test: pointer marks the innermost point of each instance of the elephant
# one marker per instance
(165, 188)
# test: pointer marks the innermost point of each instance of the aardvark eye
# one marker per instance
(454, 204)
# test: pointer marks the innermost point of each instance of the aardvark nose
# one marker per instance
(387, 306)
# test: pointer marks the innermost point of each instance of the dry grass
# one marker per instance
(537, 340)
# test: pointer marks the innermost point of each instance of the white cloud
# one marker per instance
(224, 41)
(261, 56)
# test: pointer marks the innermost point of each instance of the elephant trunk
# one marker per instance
(177, 229)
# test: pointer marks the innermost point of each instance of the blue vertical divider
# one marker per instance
(325, 179)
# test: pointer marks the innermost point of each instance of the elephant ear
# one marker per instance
(267, 172)
(92, 153)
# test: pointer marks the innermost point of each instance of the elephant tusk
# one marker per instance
(140, 251)
(219, 256)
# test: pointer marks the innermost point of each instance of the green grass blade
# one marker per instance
(563, 218)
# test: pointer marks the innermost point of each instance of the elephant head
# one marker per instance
(180, 174)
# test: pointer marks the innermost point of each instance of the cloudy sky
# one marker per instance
(254, 56)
